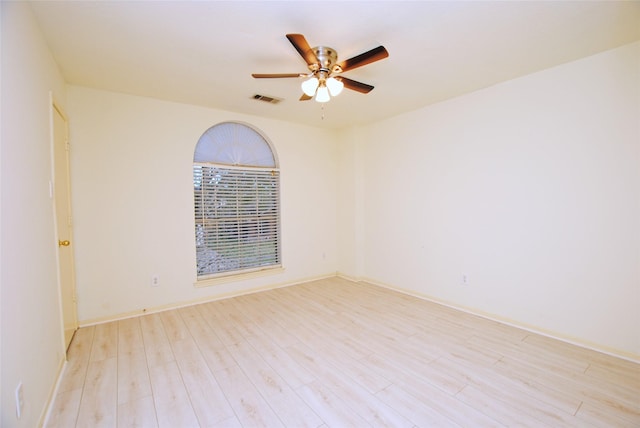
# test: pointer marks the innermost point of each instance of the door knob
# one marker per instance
(64, 243)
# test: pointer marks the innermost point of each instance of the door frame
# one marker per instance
(55, 108)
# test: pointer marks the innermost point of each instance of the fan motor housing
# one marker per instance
(327, 57)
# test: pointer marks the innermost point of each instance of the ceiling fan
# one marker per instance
(324, 77)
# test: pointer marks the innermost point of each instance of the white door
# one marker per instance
(62, 200)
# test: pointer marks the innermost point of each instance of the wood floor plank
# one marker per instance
(395, 369)
(105, 341)
(133, 377)
(604, 416)
(156, 344)
(291, 372)
(265, 379)
(502, 412)
(64, 412)
(130, 336)
(292, 410)
(617, 400)
(211, 347)
(236, 313)
(172, 403)
(413, 408)
(535, 385)
(624, 378)
(440, 345)
(174, 326)
(225, 329)
(550, 362)
(268, 326)
(342, 383)
(626, 371)
(232, 422)
(207, 399)
(249, 406)
(335, 412)
(444, 403)
(199, 329)
(139, 413)
(98, 406)
(355, 369)
(504, 390)
(365, 403)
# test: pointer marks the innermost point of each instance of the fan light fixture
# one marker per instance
(322, 88)
(322, 62)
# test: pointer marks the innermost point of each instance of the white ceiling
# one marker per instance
(203, 52)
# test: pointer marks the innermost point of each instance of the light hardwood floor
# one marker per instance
(335, 353)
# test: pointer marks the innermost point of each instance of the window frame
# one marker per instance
(255, 173)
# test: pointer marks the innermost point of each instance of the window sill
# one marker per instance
(234, 277)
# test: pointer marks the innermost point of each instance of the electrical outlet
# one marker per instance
(19, 400)
(155, 280)
(464, 280)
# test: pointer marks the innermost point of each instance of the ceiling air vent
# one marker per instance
(267, 99)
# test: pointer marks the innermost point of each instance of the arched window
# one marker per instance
(236, 186)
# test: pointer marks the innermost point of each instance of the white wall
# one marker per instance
(531, 188)
(132, 193)
(32, 343)
(350, 196)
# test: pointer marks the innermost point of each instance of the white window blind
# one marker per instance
(236, 218)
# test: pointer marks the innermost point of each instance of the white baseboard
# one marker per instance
(44, 418)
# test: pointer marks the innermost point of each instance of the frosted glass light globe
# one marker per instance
(309, 86)
(335, 86)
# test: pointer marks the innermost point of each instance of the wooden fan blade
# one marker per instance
(355, 85)
(300, 43)
(368, 57)
(276, 76)
(305, 97)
